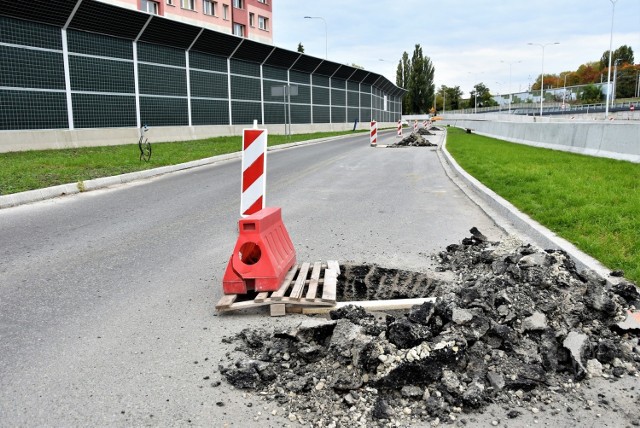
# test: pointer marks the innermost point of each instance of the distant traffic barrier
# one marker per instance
(610, 139)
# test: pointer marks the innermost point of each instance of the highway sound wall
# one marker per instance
(84, 72)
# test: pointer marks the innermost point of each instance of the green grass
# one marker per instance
(592, 202)
(36, 169)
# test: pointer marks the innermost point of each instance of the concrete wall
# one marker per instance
(611, 139)
(13, 141)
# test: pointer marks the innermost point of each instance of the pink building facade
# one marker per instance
(251, 19)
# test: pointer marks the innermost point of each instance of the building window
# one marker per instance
(170, 2)
(150, 7)
(263, 23)
(252, 18)
(225, 12)
(238, 4)
(238, 30)
(188, 4)
(262, 1)
(210, 7)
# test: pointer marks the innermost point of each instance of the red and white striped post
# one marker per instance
(374, 133)
(415, 126)
(254, 171)
(424, 124)
(400, 128)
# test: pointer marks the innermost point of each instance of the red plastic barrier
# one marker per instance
(262, 256)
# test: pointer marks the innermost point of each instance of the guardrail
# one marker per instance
(553, 108)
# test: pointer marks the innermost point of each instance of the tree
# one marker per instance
(588, 73)
(421, 87)
(448, 98)
(624, 53)
(402, 79)
(454, 96)
(626, 81)
(550, 80)
(591, 94)
(484, 97)
(300, 47)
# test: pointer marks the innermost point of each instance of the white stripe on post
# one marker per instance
(254, 170)
(374, 133)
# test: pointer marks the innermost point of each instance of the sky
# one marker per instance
(468, 41)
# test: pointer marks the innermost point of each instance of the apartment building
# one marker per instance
(251, 19)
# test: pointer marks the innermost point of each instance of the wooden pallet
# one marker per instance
(305, 285)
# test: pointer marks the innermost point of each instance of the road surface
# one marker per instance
(107, 298)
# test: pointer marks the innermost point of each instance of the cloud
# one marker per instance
(463, 38)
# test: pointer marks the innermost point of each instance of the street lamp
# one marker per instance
(475, 76)
(613, 10)
(499, 96)
(564, 93)
(510, 63)
(444, 100)
(615, 81)
(326, 38)
(542, 75)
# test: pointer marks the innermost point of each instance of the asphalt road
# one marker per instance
(107, 298)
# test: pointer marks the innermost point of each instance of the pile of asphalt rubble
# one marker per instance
(509, 323)
(415, 139)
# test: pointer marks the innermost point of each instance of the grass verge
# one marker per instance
(37, 169)
(592, 202)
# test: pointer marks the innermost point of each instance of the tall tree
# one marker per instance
(421, 87)
(300, 47)
(624, 53)
(402, 80)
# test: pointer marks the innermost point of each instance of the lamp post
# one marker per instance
(475, 109)
(444, 100)
(615, 81)
(613, 10)
(326, 33)
(499, 96)
(542, 75)
(564, 93)
(510, 64)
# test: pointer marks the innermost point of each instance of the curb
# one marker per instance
(21, 198)
(499, 210)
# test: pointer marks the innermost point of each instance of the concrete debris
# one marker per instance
(631, 322)
(414, 139)
(511, 324)
(425, 131)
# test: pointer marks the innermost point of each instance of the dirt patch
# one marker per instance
(511, 324)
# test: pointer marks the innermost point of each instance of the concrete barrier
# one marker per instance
(610, 139)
